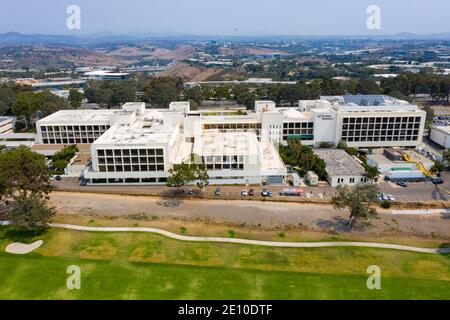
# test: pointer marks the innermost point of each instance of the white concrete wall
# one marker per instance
(440, 137)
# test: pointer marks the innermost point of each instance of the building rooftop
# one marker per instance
(229, 143)
(79, 117)
(340, 163)
(139, 133)
(443, 129)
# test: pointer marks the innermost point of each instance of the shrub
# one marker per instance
(386, 204)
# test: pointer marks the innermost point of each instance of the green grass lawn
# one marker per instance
(145, 266)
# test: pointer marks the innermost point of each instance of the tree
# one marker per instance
(122, 92)
(429, 117)
(372, 173)
(446, 156)
(188, 172)
(75, 98)
(62, 158)
(358, 201)
(302, 158)
(368, 86)
(24, 172)
(24, 106)
(196, 94)
(438, 167)
(31, 213)
(162, 91)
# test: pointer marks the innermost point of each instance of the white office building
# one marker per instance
(238, 146)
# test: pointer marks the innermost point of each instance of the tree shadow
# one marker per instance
(339, 224)
(171, 198)
(446, 215)
(22, 236)
(437, 194)
(444, 249)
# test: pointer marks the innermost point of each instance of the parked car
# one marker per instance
(390, 197)
(402, 184)
(58, 178)
(251, 192)
(437, 181)
(270, 194)
(190, 192)
(264, 192)
(218, 192)
(244, 193)
(264, 182)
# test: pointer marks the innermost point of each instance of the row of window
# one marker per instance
(69, 141)
(232, 126)
(130, 152)
(219, 159)
(380, 133)
(351, 180)
(234, 162)
(131, 168)
(291, 125)
(225, 166)
(134, 160)
(74, 128)
(298, 131)
(381, 126)
(370, 139)
(128, 180)
(382, 120)
(72, 134)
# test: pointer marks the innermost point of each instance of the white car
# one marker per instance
(244, 193)
(390, 197)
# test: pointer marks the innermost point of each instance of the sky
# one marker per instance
(226, 17)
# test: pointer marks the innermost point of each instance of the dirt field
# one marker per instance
(190, 73)
(273, 216)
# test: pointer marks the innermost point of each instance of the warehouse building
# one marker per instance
(342, 169)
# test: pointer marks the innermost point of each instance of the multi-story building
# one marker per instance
(135, 145)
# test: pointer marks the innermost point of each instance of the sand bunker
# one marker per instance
(22, 248)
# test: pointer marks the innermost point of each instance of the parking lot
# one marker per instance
(420, 191)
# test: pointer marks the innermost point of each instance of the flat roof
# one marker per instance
(443, 129)
(340, 163)
(217, 143)
(139, 133)
(102, 116)
(57, 147)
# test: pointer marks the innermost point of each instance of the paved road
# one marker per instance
(423, 191)
(254, 242)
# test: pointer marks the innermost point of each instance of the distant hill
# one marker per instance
(16, 38)
(19, 38)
